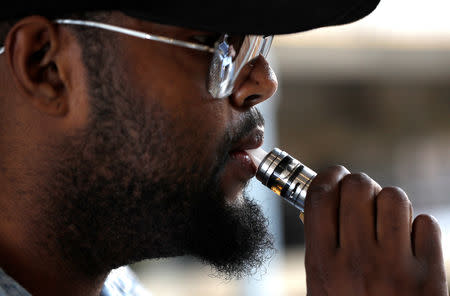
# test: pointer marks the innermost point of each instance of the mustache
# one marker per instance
(249, 121)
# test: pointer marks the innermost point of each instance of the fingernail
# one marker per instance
(302, 217)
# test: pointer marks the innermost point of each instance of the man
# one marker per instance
(123, 135)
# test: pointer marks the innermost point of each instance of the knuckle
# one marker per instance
(318, 189)
(325, 177)
(427, 221)
(316, 194)
(359, 180)
(338, 169)
(323, 185)
(330, 171)
(393, 196)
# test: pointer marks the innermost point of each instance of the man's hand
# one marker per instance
(360, 240)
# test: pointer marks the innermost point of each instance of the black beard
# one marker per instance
(123, 189)
(109, 211)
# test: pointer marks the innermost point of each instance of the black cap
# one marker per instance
(264, 17)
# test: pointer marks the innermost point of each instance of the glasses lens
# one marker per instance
(228, 66)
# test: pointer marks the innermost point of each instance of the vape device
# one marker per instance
(283, 174)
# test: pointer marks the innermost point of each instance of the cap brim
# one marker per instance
(260, 17)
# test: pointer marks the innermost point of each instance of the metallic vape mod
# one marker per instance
(283, 174)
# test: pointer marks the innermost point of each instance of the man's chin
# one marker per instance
(233, 239)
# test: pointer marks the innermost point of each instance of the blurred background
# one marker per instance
(374, 96)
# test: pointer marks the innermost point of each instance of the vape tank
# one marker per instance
(283, 174)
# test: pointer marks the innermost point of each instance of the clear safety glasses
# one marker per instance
(231, 54)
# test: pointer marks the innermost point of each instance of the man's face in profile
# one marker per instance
(156, 170)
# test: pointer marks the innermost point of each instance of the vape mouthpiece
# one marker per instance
(257, 155)
(283, 174)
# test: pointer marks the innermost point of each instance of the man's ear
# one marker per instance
(32, 48)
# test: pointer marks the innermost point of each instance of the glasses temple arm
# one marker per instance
(133, 33)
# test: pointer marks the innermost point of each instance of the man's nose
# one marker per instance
(258, 85)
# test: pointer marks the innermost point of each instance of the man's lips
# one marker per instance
(239, 158)
(245, 166)
(239, 167)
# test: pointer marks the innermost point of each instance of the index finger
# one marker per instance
(322, 210)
